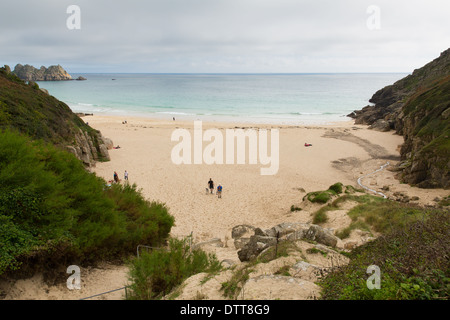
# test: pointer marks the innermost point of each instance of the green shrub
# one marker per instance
(25, 108)
(320, 216)
(233, 287)
(384, 215)
(337, 187)
(155, 274)
(324, 196)
(413, 260)
(50, 204)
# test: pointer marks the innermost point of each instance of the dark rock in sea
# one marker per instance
(80, 78)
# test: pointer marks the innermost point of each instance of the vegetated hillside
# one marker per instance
(411, 250)
(417, 107)
(54, 213)
(426, 129)
(412, 259)
(31, 111)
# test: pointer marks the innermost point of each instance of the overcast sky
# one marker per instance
(225, 36)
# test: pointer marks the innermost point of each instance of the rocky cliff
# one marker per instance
(424, 122)
(389, 101)
(29, 110)
(52, 73)
(417, 107)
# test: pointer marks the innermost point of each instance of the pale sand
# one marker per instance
(340, 153)
(248, 197)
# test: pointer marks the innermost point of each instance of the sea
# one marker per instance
(254, 98)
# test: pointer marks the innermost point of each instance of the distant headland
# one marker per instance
(52, 73)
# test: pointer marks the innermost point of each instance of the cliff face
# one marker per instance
(417, 107)
(389, 101)
(29, 110)
(425, 124)
(52, 73)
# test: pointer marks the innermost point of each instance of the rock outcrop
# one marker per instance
(289, 275)
(261, 240)
(88, 151)
(389, 101)
(52, 73)
(417, 107)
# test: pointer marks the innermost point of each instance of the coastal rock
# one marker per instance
(251, 250)
(251, 247)
(6, 69)
(108, 143)
(255, 246)
(80, 78)
(416, 107)
(104, 152)
(241, 235)
(297, 235)
(241, 242)
(52, 73)
(320, 235)
(89, 152)
(284, 229)
(381, 125)
(242, 230)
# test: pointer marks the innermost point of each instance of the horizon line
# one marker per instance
(245, 73)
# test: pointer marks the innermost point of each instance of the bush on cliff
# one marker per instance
(52, 210)
(30, 111)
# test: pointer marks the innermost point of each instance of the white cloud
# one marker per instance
(225, 35)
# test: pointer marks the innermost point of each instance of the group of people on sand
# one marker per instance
(211, 188)
(116, 176)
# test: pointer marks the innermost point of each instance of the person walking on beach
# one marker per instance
(116, 177)
(211, 185)
(126, 175)
(219, 191)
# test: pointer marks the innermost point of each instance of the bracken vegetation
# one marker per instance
(413, 260)
(55, 213)
(156, 273)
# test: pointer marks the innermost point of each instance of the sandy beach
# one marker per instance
(340, 152)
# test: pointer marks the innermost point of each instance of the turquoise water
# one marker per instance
(263, 98)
